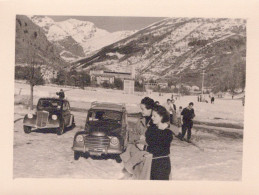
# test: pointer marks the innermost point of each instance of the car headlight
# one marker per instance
(54, 117)
(114, 141)
(30, 115)
(79, 138)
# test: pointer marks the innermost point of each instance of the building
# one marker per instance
(128, 78)
(100, 76)
(129, 86)
(160, 82)
(195, 88)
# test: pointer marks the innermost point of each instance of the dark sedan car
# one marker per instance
(105, 133)
(51, 113)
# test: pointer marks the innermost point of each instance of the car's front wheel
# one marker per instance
(118, 159)
(77, 155)
(61, 129)
(26, 129)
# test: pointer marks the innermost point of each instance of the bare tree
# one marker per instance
(34, 75)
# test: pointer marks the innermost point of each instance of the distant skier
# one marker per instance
(212, 100)
(172, 97)
(170, 107)
(188, 115)
(61, 94)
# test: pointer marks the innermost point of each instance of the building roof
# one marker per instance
(111, 72)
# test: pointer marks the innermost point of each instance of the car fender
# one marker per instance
(27, 120)
(71, 119)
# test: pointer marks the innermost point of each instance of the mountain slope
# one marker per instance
(177, 49)
(76, 39)
(31, 44)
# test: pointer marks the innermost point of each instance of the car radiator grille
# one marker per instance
(42, 118)
(93, 142)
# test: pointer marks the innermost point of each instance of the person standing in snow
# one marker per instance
(158, 139)
(172, 97)
(137, 134)
(179, 120)
(170, 109)
(187, 114)
(61, 94)
(212, 99)
(146, 107)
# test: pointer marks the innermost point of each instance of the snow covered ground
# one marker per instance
(215, 155)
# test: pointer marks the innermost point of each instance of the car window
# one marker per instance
(104, 115)
(49, 104)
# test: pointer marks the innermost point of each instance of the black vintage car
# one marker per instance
(105, 134)
(51, 113)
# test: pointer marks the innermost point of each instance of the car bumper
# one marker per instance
(47, 126)
(96, 151)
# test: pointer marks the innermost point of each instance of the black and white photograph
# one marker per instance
(129, 97)
(146, 98)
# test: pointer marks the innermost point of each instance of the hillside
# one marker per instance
(177, 49)
(31, 45)
(75, 38)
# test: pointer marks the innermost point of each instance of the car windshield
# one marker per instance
(101, 115)
(49, 104)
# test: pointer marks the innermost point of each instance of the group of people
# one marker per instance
(153, 135)
(183, 118)
(200, 98)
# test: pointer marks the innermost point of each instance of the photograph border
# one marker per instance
(161, 8)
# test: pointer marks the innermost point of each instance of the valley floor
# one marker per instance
(215, 155)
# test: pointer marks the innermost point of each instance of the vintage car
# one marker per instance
(50, 113)
(105, 133)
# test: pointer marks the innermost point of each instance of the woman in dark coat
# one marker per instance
(159, 138)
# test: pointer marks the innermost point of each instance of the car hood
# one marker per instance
(103, 128)
(50, 111)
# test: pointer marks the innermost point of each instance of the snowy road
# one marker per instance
(216, 155)
(46, 155)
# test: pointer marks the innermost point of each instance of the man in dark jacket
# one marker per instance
(61, 94)
(187, 115)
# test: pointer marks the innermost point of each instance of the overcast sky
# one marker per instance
(113, 24)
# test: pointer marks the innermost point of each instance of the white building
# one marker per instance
(100, 76)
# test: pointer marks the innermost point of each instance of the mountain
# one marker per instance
(75, 38)
(31, 44)
(178, 49)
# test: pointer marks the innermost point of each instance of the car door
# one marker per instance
(125, 132)
(66, 113)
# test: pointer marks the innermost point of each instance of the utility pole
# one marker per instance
(179, 86)
(202, 84)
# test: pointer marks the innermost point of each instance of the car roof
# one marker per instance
(108, 106)
(48, 98)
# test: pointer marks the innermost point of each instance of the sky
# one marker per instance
(114, 23)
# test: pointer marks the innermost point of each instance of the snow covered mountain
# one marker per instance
(75, 38)
(31, 44)
(179, 48)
